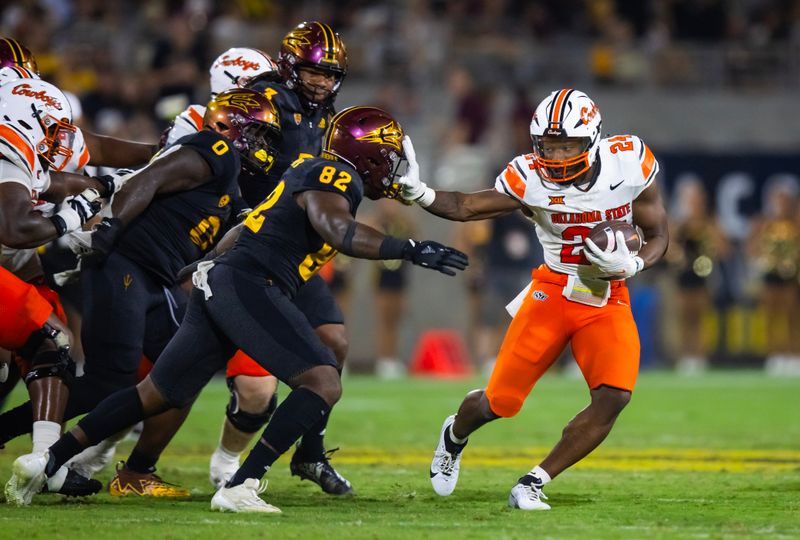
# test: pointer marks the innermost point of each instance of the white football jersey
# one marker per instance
(188, 122)
(564, 215)
(15, 167)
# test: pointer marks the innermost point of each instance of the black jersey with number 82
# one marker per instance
(278, 241)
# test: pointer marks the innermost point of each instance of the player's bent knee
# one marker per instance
(504, 405)
(334, 336)
(612, 399)
(249, 422)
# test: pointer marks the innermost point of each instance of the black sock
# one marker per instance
(300, 411)
(115, 413)
(62, 450)
(15, 422)
(312, 447)
(140, 462)
(450, 445)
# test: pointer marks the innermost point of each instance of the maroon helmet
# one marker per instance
(250, 121)
(312, 45)
(370, 140)
(15, 54)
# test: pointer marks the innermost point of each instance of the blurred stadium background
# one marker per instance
(710, 84)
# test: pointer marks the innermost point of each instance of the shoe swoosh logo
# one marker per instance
(615, 186)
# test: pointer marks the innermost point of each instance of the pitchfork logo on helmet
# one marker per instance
(250, 121)
(14, 53)
(236, 66)
(566, 114)
(42, 114)
(312, 45)
(369, 139)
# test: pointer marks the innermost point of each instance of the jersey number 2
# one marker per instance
(255, 219)
(573, 253)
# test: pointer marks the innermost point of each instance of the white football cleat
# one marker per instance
(527, 497)
(27, 478)
(95, 458)
(222, 468)
(445, 465)
(243, 498)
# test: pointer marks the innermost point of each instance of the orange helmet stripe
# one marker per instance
(648, 162)
(559, 104)
(19, 144)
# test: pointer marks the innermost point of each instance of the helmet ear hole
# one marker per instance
(222, 127)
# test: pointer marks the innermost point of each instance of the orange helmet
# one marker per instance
(250, 121)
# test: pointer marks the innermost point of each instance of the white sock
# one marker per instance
(540, 474)
(45, 434)
(227, 454)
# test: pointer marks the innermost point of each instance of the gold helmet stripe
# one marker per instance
(17, 56)
(330, 42)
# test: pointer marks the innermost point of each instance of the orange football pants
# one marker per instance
(22, 310)
(241, 364)
(604, 341)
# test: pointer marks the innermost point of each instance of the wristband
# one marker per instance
(347, 244)
(639, 262)
(60, 225)
(393, 248)
(427, 197)
(69, 220)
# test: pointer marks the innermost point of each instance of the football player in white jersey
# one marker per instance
(37, 137)
(571, 181)
(232, 69)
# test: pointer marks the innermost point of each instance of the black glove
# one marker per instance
(113, 182)
(435, 256)
(104, 236)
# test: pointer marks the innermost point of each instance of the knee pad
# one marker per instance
(504, 406)
(49, 363)
(244, 421)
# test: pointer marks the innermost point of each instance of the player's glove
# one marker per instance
(436, 256)
(413, 189)
(76, 211)
(103, 237)
(114, 182)
(618, 262)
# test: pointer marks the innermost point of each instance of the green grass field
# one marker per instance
(710, 457)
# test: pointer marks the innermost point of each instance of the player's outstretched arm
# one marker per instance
(452, 205)
(330, 216)
(64, 184)
(23, 227)
(112, 152)
(179, 170)
(651, 216)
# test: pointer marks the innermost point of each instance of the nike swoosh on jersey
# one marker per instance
(615, 186)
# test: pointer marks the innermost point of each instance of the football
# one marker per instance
(603, 235)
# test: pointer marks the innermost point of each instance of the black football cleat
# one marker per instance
(321, 473)
(76, 485)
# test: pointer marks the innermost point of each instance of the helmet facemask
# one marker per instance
(561, 170)
(56, 146)
(379, 178)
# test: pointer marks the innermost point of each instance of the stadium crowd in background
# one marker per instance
(133, 66)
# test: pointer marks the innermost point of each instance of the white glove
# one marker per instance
(76, 210)
(414, 190)
(618, 262)
(79, 242)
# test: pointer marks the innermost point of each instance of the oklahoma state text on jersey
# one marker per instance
(564, 214)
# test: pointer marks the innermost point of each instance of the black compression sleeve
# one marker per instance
(347, 244)
(393, 248)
